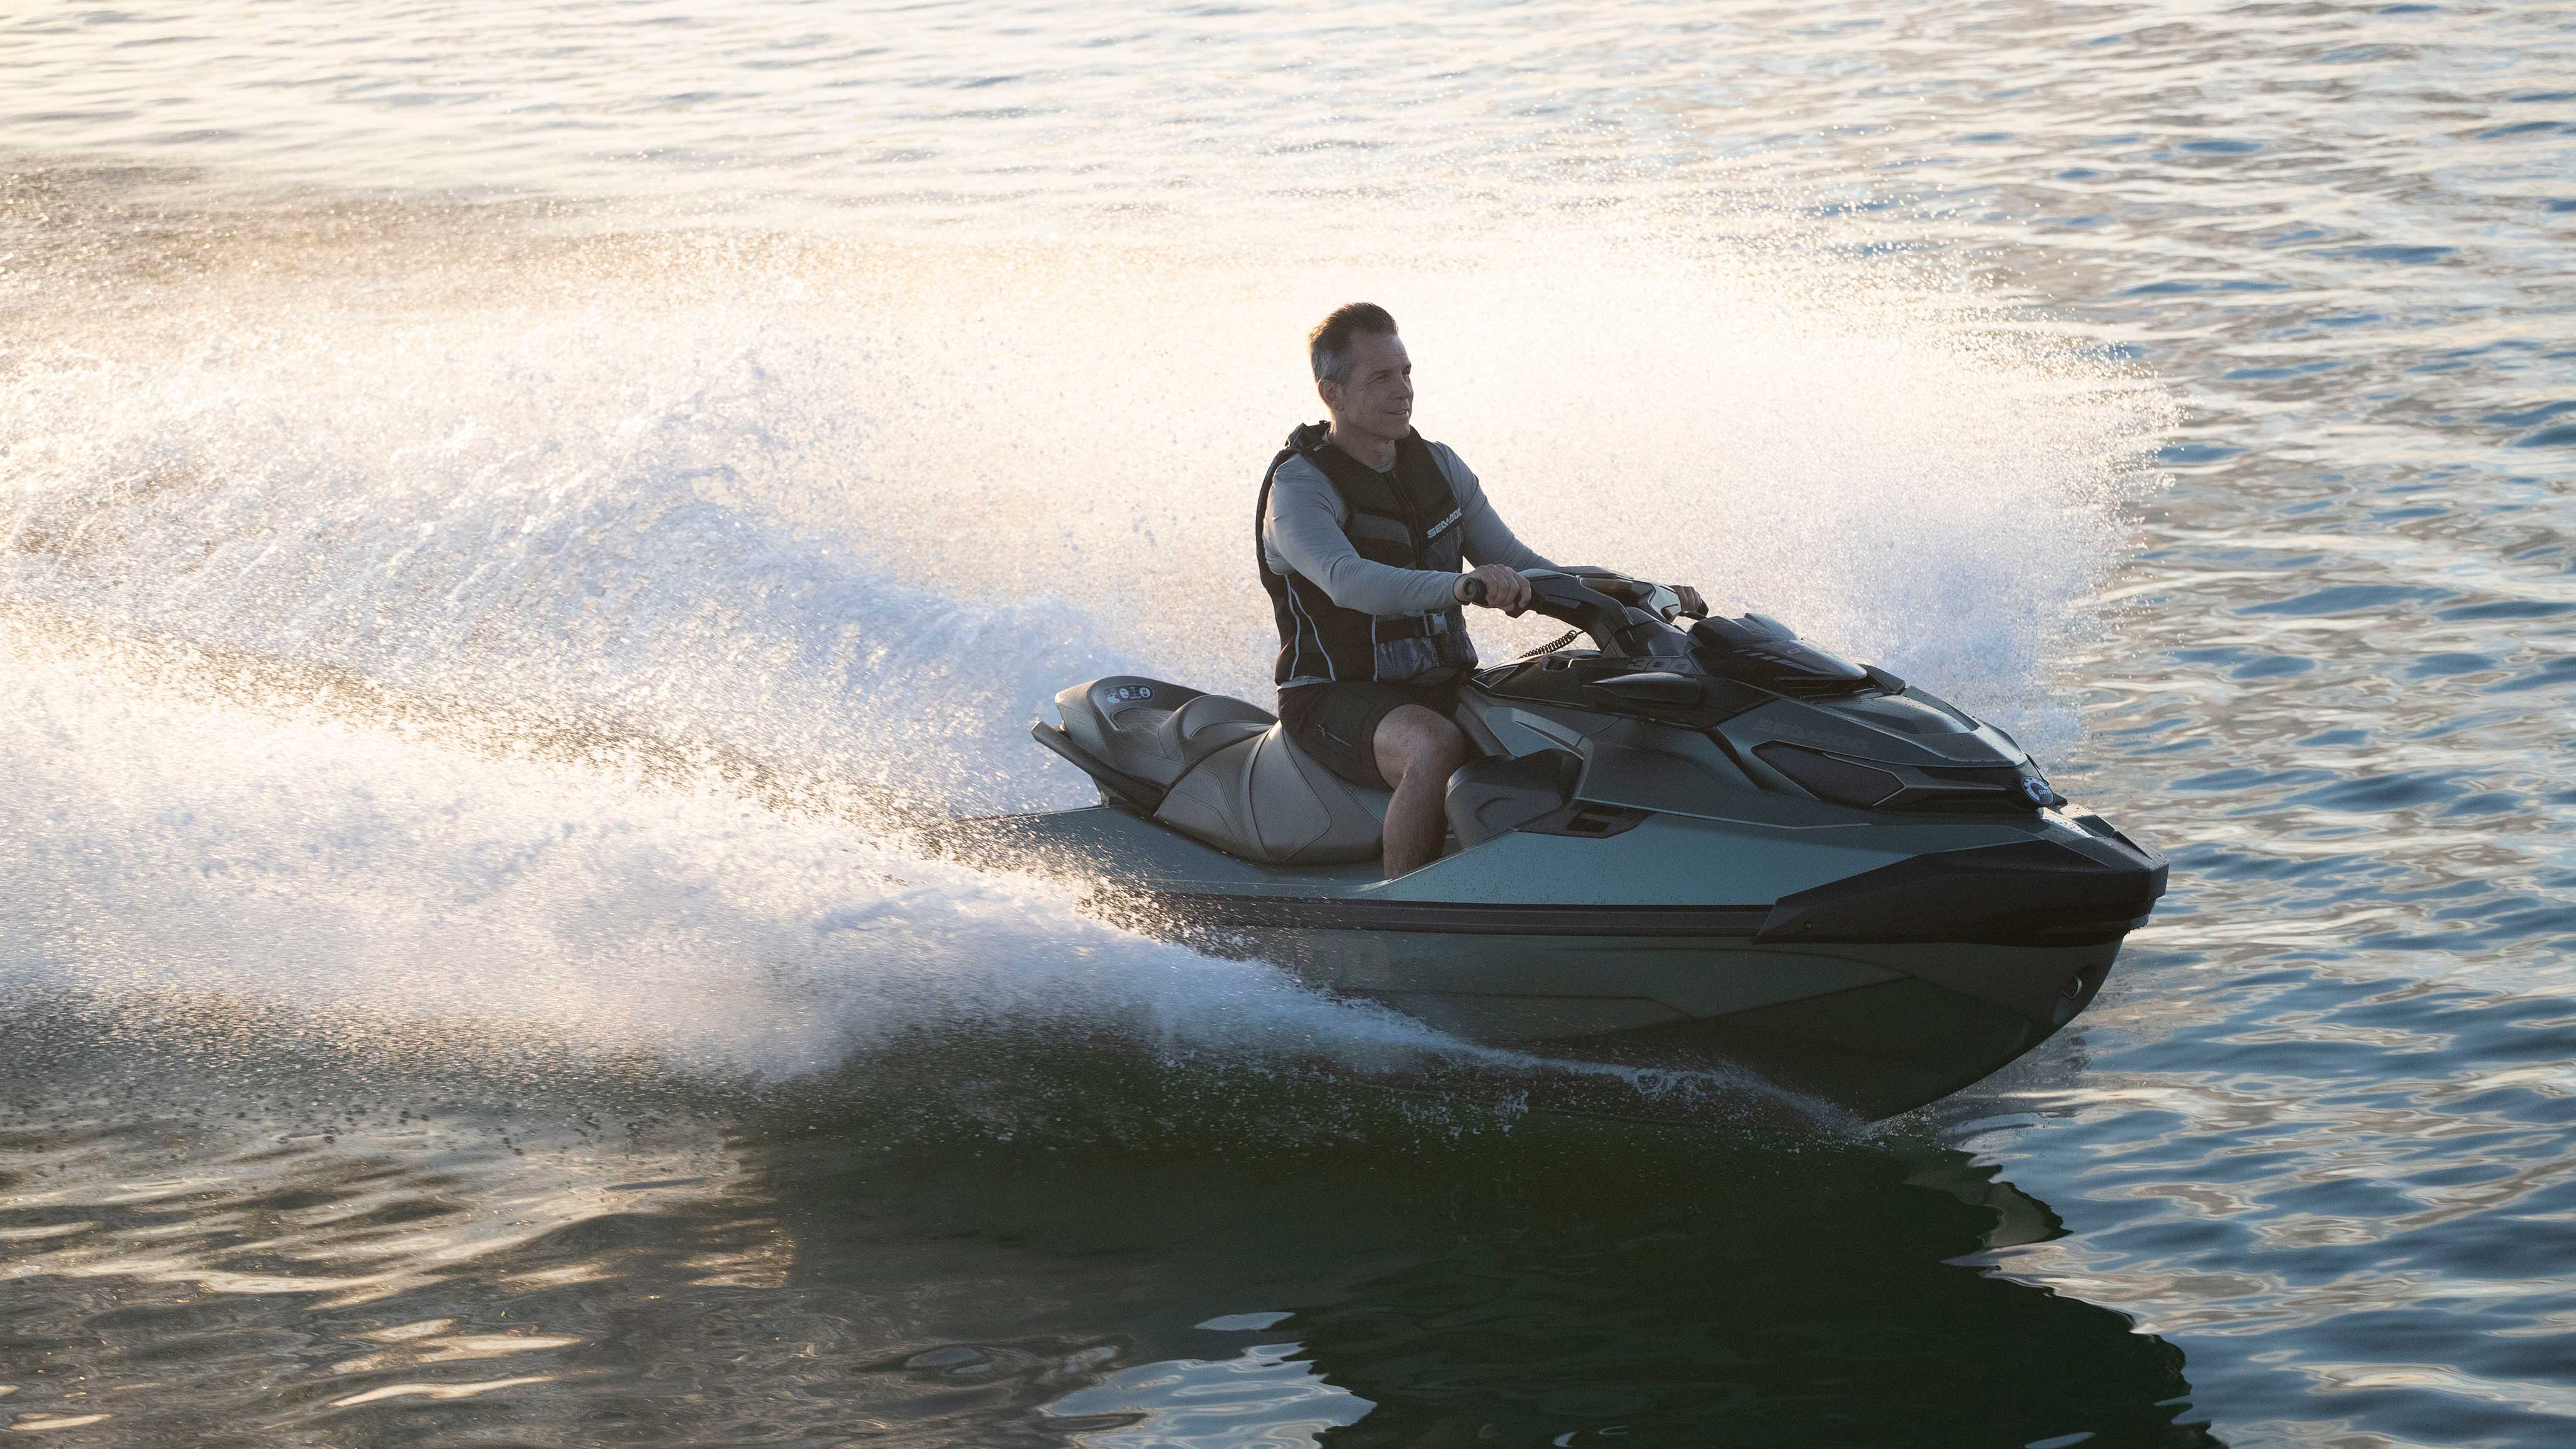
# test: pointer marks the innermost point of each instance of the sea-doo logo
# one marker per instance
(2035, 790)
(1442, 526)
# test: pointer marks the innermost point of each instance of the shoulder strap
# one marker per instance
(1304, 438)
(1417, 464)
(1261, 510)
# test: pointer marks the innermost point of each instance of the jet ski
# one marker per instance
(1684, 843)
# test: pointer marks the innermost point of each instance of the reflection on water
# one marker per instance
(414, 1261)
(1269, 1394)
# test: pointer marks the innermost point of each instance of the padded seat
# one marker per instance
(1231, 777)
(1152, 729)
(1265, 799)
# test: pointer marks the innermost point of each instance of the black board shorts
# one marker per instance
(1337, 723)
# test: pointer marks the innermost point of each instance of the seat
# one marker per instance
(1264, 799)
(1229, 775)
(1152, 729)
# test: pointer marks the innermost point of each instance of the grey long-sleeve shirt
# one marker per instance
(1301, 531)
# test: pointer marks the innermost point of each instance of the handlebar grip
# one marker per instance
(1473, 591)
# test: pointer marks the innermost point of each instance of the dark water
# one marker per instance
(509, 508)
(1395, 1271)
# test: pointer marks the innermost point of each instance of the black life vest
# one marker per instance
(1410, 520)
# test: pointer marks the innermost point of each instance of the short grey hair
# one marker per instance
(1328, 347)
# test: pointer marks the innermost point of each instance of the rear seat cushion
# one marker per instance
(1209, 723)
(1153, 729)
(1264, 799)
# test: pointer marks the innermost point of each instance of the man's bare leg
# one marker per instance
(1416, 751)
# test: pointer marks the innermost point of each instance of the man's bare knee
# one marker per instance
(1412, 738)
(1441, 747)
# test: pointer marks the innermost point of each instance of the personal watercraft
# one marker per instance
(1684, 843)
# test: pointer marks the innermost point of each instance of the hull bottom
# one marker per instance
(1874, 1051)
(1873, 1028)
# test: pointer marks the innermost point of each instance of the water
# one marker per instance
(514, 513)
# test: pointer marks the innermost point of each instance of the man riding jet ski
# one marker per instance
(1362, 525)
(1679, 842)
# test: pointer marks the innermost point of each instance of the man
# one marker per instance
(1363, 526)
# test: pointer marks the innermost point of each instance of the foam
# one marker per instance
(814, 498)
(155, 842)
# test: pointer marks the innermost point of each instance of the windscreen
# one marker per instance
(1773, 659)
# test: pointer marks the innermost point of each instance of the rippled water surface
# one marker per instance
(513, 512)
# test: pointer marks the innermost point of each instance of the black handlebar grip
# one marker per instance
(1473, 591)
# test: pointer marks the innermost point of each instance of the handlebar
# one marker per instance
(1616, 626)
(1472, 591)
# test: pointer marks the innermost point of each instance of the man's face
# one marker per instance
(1378, 399)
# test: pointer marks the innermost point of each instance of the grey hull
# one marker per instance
(1868, 1028)
(1517, 959)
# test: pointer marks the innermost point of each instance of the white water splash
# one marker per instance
(850, 516)
(157, 844)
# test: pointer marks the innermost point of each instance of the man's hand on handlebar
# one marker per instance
(1692, 604)
(1493, 586)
